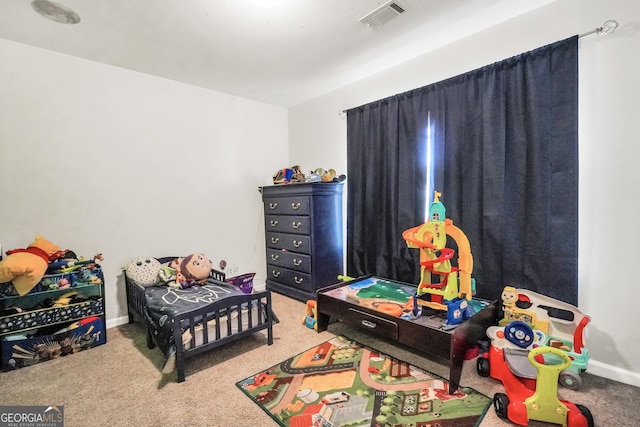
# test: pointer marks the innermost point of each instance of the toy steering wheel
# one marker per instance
(519, 333)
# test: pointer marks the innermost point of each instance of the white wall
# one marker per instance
(101, 159)
(609, 110)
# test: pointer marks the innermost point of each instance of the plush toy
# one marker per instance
(87, 276)
(144, 270)
(186, 272)
(70, 263)
(195, 267)
(168, 273)
(25, 267)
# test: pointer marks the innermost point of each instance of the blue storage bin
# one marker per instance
(21, 350)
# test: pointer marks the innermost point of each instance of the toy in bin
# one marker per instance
(244, 282)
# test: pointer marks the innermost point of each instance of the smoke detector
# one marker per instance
(383, 14)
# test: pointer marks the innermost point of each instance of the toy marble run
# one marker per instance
(442, 286)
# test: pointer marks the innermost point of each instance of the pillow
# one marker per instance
(143, 270)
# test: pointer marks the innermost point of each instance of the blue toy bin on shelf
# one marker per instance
(49, 282)
(244, 282)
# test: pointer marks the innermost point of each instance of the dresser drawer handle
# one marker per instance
(296, 224)
(368, 324)
(295, 206)
(273, 222)
(275, 257)
(297, 262)
(275, 239)
(275, 273)
(296, 243)
(273, 206)
(298, 280)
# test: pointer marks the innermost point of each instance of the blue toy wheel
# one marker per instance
(519, 333)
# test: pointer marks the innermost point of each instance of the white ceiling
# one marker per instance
(282, 55)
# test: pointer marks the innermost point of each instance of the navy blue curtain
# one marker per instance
(505, 161)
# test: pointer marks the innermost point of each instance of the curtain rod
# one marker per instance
(607, 28)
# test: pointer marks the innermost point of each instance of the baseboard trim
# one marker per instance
(112, 323)
(613, 373)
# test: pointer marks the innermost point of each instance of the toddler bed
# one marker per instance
(187, 322)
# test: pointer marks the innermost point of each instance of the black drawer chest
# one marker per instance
(303, 237)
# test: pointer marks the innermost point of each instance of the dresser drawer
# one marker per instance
(289, 242)
(371, 322)
(294, 279)
(287, 205)
(291, 260)
(288, 224)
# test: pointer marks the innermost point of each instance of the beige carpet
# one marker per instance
(120, 383)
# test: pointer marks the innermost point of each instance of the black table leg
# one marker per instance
(466, 336)
(322, 321)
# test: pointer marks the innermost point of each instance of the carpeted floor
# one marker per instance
(120, 383)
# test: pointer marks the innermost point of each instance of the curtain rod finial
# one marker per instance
(609, 26)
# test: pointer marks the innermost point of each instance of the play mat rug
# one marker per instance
(341, 383)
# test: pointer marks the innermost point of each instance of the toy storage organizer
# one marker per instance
(52, 320)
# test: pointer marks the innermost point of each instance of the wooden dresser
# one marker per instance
(303, 237)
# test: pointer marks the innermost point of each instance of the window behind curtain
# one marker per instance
(505, 160)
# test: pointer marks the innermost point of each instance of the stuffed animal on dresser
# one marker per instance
(26, 267)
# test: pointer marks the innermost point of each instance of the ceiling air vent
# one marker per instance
(383, 14)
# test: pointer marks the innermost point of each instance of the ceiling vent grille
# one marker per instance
(383, 14)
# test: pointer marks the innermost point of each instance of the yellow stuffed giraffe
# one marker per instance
(25, 267)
